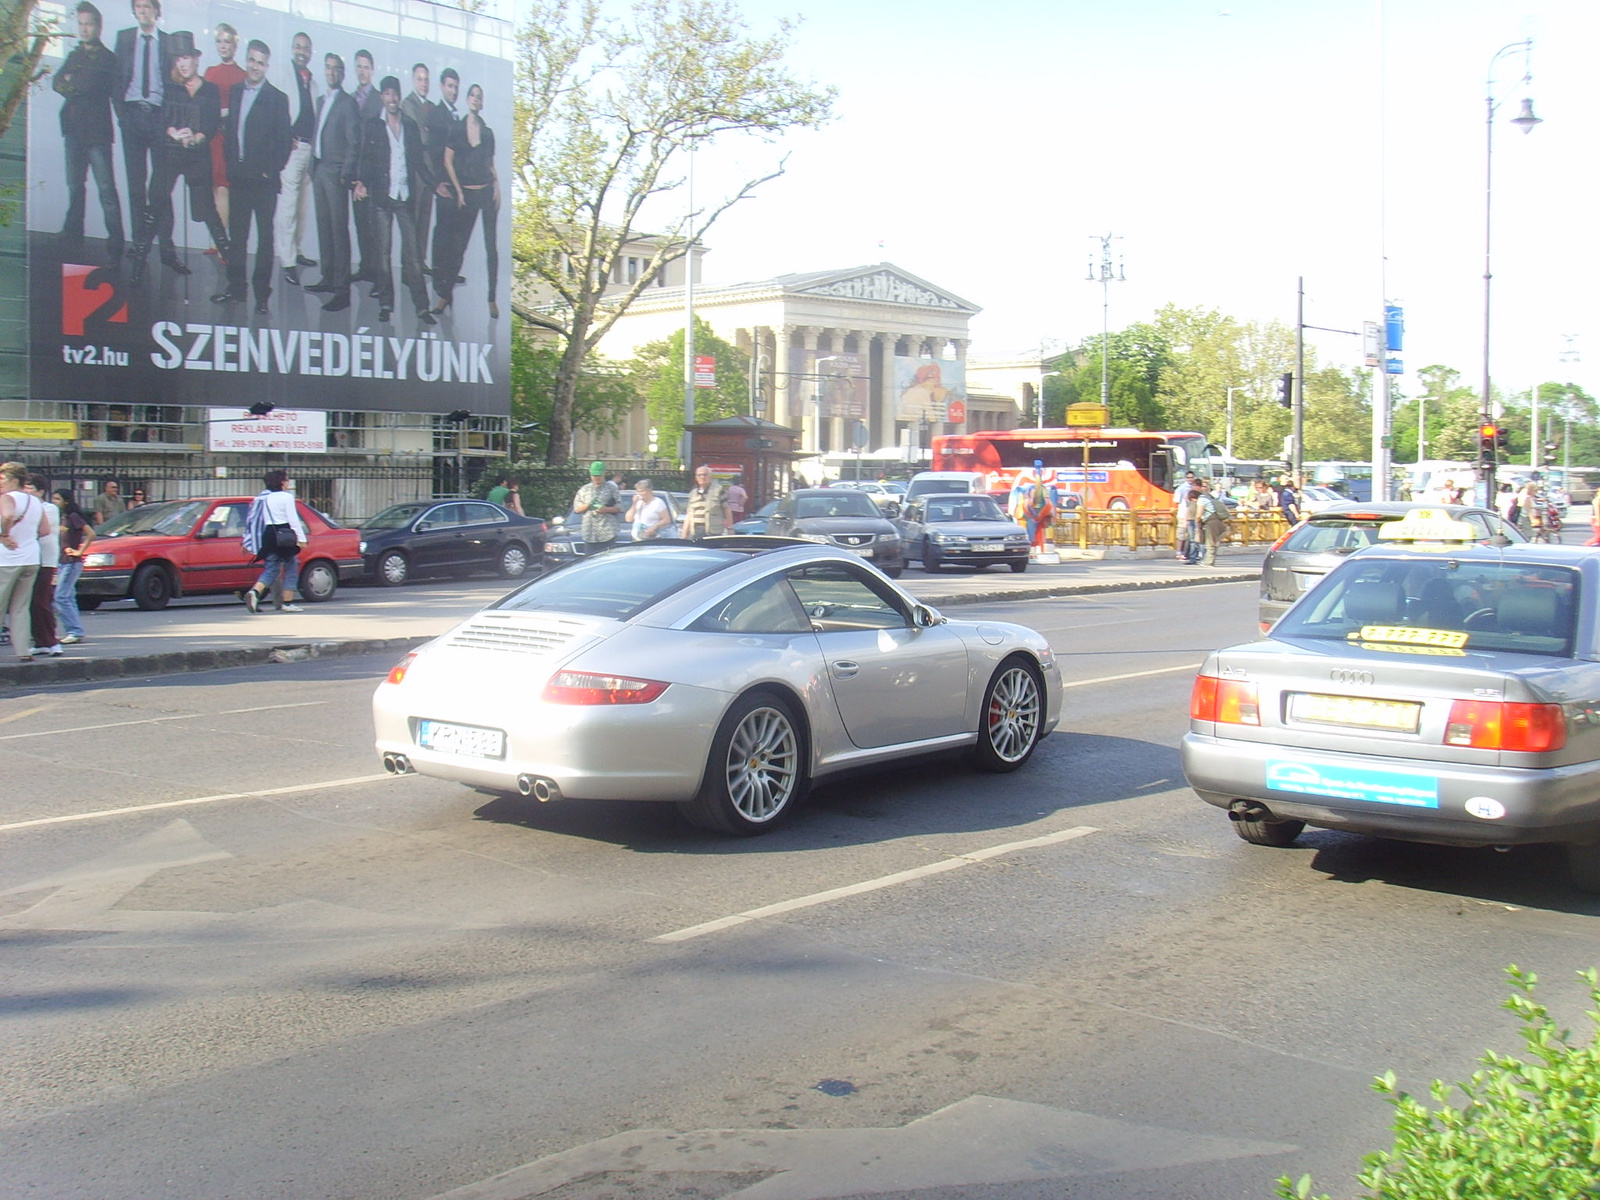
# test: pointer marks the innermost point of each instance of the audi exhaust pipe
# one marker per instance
(541, 789)
(396, 764)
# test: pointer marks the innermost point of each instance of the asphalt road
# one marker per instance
(368, 987)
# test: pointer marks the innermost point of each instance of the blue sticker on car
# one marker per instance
(1353, 783)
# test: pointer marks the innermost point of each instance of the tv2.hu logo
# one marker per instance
(90, 293)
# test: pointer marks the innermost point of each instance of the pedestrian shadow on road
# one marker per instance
(929, 796)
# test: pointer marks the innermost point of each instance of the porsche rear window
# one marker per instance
(1439, 605)
(618, 583)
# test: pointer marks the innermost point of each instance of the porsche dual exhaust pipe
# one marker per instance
(541, 789)
(397, 764)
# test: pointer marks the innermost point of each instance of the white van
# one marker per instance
(925, 483)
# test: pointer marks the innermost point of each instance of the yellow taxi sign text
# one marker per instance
(1427, 525)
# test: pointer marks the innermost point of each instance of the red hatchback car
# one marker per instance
(192, 547)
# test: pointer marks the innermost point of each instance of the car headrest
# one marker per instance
(1529, 610)
(1374, 602)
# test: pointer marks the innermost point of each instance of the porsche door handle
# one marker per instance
(845, 669)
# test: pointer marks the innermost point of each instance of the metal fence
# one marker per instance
(1154, 528)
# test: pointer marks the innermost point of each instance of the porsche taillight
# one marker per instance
(578, 687)
(397, 673)
(1225, 701)
(1497, 725)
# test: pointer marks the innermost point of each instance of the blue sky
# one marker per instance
(1232, 146)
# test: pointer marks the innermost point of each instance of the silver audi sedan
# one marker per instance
(724, 676)
(1447, 694)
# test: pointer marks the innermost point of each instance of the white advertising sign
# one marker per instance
(234, 429)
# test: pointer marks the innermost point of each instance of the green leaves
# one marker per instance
(1520, 1129)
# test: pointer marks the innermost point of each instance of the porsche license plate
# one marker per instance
(1359, 712)
(470, 741)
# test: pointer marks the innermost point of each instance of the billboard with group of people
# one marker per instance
(233, 203)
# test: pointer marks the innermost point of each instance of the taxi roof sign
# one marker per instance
(1427, 525)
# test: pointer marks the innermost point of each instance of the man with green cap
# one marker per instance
(598, 502)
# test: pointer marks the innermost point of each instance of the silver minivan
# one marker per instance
(925, 483)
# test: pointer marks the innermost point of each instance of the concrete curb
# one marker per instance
(47, 671)
(1046, 591)
(89, 670)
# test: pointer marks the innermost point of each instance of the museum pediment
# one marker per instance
(885, 286)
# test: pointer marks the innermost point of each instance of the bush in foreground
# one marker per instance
(1524, 1130)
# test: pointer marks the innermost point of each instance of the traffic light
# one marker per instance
(1491, 440)
(1286, 389)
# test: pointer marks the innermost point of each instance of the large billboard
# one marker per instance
(835, 385)
(224, 210)
(927, 388)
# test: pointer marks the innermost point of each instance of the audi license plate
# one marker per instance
(1358, 711)
(470, 741)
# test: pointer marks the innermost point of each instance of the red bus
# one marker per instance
(1127, 468)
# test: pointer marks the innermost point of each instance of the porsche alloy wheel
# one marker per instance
(1012, 718)
(756, 770)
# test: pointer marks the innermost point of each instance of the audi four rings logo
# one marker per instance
(1365, 677)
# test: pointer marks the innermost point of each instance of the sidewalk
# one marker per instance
(209, 632)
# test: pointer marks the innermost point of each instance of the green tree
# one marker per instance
(657, 374)
(604, 107)
(24, 41)
(1338, 416)
(1452, 411)
(603, 398)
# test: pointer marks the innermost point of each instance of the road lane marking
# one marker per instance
(227, 712)
(872, 885)
(1193, 668)
(220, 796)
(27, 712)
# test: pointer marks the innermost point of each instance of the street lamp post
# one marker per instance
(1525, 120)
(1105, 273)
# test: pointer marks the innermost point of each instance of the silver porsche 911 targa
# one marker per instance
(724, 675)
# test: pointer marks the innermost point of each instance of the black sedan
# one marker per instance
(968, 530)
(843, 518)
(455, 537)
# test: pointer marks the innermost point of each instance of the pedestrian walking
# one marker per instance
(598, 502)
(706, 514)
(76, 534)
(274, 533)
(1211, 511)
(109, 503)
(42, 611)
(22, 523)
(1183, 517)
(648, 513)
(738, 501)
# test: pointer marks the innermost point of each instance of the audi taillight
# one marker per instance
(1225, 701)
(578, 687)
(1496, 725)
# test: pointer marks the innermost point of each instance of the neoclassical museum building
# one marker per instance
(866, 357)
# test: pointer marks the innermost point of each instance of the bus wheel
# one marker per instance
(1118, 504)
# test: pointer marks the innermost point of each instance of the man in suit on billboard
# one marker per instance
(419, 108)
(141, 87)
(294, 200)
(388, 176)
(369, 107)
(255, 145)
(87, 83)
(442, 122)
(333, 152)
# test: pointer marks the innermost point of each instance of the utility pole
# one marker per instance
(1108, 273)
(1297, 465)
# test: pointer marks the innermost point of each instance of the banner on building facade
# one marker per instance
(839, 383)
(177, 130)
(233, 429)
(926, 387)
